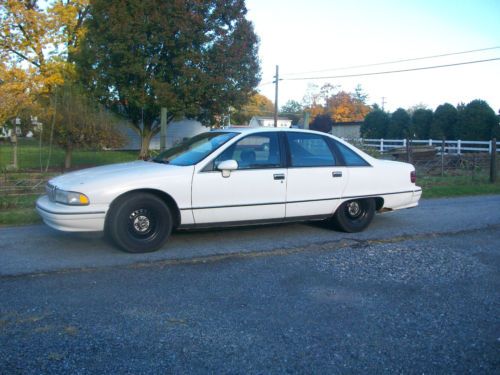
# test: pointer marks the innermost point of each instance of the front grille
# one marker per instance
(51, 192)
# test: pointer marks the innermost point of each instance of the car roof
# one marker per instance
(248, 130)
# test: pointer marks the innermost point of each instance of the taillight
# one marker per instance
(413, 177)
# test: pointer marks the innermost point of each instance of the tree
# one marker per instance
(314, 100)
(43, 37)
(38, 40)
(400, 125)
(346, 107)
(322, 123)
(257, 105)
(196, 58)
(293, 110)
(444, 123)
(15, 95)
(478, 121)
(375, 124)
(421, 120)
(80, 123)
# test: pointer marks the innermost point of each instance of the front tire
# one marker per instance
(139, 223)
(355, 215)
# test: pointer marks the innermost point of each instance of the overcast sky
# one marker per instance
(316, 35)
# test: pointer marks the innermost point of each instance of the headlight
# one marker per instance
(71, 197)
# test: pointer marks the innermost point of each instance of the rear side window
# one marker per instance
(309, 150)
(350, 157)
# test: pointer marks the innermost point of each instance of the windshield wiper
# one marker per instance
(160, 161)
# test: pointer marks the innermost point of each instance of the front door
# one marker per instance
(255, 191)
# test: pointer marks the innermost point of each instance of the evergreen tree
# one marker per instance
(444, 123)
(400, 125)
(421, 123)
(376, 124)
(478, 121)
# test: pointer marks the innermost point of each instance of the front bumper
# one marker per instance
(71, 218)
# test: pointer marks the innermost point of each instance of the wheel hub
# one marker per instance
(354, 209)
(141, 222)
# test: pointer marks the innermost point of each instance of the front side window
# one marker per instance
(309, 150)
(252, 152)
(194, 149)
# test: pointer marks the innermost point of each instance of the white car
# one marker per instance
(230, 177)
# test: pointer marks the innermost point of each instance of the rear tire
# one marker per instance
(355, 215)
(139, 223)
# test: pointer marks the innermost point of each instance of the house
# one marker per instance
(268, 122)
(177, 131)
(347, 130)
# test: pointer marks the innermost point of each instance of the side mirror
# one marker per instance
(227, 166)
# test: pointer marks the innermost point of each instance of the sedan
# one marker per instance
(230, 177)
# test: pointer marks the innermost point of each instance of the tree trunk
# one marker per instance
(13, 139)
(145, 141)
(68, 156)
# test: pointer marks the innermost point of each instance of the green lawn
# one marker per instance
(19, 210)
(30, 156)
(456, 186)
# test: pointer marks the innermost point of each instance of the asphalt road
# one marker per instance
(418, 292)
(32, 249)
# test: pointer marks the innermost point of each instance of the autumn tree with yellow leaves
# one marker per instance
(37, 44)
(342, 106)
(257, 105)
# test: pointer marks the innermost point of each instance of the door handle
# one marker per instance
(279, 176)
(337, 174)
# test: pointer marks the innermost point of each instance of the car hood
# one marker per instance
(113, 174)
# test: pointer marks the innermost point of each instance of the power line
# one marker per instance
(394, 61)
(391, 71)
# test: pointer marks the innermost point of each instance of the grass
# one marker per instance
(19, 216)
(30, 156)
(19, 210)
(456, 186)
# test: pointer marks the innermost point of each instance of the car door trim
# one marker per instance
(302, 201)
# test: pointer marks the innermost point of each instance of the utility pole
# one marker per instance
(163, 129)
(276, 97)
(383, 102)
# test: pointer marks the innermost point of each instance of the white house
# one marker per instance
(177, 131)
(268, 122)
(347, 130)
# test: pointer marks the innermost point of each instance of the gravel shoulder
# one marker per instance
(423, 305)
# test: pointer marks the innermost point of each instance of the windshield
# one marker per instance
(194, 149)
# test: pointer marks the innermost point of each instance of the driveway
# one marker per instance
(35, 249)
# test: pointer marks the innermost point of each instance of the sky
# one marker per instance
(320, 35)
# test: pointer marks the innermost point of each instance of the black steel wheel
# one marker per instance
(355, 215)
(139, 223)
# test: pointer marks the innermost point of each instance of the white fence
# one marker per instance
(450, 147)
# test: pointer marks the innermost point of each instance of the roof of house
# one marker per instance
(258, 118)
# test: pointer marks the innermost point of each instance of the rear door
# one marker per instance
(315, 180)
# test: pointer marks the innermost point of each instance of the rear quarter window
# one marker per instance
(351, 158)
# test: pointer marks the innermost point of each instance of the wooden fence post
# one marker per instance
(442, 157)
(493, 161)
